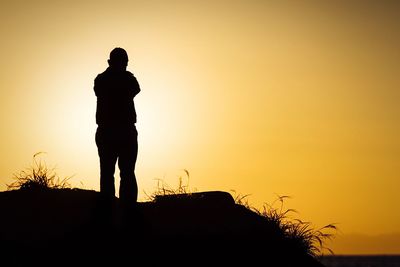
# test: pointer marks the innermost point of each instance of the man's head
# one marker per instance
(118, 59)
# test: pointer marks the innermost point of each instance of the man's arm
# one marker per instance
(135, 86)
(97, 86)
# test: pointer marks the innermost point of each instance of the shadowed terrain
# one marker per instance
(64, 227)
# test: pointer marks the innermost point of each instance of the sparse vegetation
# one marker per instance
(164, 189)
(38, 176)
(242, 200)
(300, 234)
(295, 231)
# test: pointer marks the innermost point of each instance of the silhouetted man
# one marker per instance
(116, 135)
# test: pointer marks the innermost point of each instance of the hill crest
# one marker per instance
(79, 226)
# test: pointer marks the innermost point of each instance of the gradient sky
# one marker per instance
(265, 98)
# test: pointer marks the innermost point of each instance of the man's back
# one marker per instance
(115, 91)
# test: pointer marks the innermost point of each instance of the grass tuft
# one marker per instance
(298, 233)
(38, 176)
(242, 200)
(163, 189)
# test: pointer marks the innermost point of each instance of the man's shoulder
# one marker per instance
(130, 74)
(100, 75)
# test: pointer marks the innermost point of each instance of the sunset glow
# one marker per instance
(266, 98)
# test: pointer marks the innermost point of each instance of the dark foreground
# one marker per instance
(74, 227)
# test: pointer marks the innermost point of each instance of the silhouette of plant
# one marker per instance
(298, 233)
(242, 200)
(163, 189)
(38, 176)
(301, 234)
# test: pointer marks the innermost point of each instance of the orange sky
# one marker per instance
(294, 98)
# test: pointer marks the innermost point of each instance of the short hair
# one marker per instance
(118, 54)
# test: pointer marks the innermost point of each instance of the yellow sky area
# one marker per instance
(260, 97)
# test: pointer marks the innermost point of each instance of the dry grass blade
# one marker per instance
(38, 176)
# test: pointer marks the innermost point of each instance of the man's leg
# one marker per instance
(128, 189)
(105, 208)
(108, 159)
